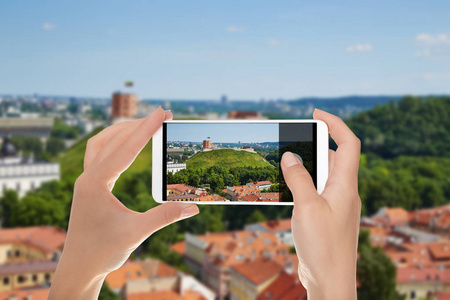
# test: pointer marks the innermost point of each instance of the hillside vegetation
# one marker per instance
(411, 126)
(226, 158)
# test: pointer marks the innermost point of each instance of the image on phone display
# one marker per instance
(235, 162)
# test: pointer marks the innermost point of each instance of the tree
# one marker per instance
(8, 204)
(55, 146)
(107, 294)
(28, 144)
(376, 272)
(256, 217)
(34, 210)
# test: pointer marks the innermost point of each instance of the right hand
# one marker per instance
(325, 227)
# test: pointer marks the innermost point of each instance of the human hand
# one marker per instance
(325, 227)
(102, 232)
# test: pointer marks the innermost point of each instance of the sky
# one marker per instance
(244, 49)
(223, 132)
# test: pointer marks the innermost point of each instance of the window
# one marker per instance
(34, 278)
(8, 253)
(6, 281)
(21, 279)
(47, 277)
(17, 253)
(18, 187)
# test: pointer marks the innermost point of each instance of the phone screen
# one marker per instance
(233, 161)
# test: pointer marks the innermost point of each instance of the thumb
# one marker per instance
(165, 214)
(297, 178)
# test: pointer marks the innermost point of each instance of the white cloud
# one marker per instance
(424, 53)
(359, 48)
(274, 42)
(48, 26)
(235, 29)
(433, 40)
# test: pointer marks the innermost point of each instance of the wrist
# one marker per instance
(340, 287)
(72, 281)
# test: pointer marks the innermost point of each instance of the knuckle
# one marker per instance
(169, 216)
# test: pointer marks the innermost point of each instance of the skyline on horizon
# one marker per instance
(201, 50)
(223, 132)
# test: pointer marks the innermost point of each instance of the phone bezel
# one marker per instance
(322, 159)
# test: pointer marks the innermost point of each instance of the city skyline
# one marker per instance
(203, 50)
(223, 132)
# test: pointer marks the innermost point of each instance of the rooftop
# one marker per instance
(259, 270)
(46, 238)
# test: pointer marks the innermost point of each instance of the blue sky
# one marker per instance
(223, 133)
(245, 49)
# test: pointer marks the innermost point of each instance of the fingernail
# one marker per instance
(189, 211)
(289, 160)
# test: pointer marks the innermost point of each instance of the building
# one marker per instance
(15, 276)
(38, 293)
(206, 144)
(245, 115)
(173, 166)
(35, 243)
(212, 255)
(286, 286)
(262, 185)
(153, 279)
(238, 193)
(124, 106)
(23, 174)
(281, 228)
(393, 216)
(182, 189)
(29, 256)
(419, 283)
(249, 279)
(39, 127)
(187, 197)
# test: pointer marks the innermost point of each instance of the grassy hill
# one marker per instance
(226, 158)
(72, 162)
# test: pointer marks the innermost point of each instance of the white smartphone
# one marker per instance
(234, 161)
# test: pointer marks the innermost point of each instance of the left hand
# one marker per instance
(102, 232)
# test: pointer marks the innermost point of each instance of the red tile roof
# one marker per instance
(286, 287)
(137, 270)
(181, 187)
(411, 275)
(397, 215)
(277, 225)
(229, 248)
(45, 238)
(272, 197)
(441, 296)
(166, 295)
(179, 247)
(36, 294)
(259, 270)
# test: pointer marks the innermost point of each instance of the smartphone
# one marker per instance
(234, 161)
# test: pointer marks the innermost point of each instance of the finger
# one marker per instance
(346, 164)
(163, 215)
(117, 139)
(96, 142)
(297, 179)
(121, 137)
(119, 160)
(168, 115)
(331, 158)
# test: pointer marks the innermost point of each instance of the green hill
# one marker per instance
(72, 162)
(411, 126)
(227, 158)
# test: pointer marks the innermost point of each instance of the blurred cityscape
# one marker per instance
(222, 253)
